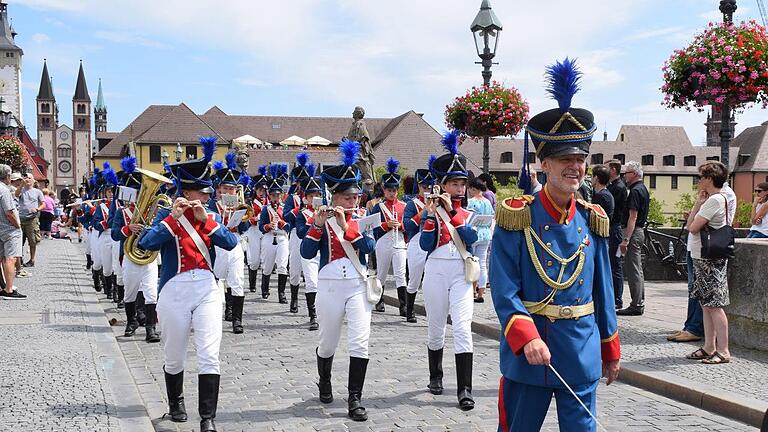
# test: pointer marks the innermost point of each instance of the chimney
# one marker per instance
(605, 135)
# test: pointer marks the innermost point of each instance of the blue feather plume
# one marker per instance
(244, 179)
(263, 170)
(218, 165)
(128, 164)
(96, 171)
(92, 180)
(283, 169)
(310, 170)
(110, 177)
(166, 167)
(209, 147)
(349, 150)
(563, 82)
(274, 170)
(107, 166)
(302, 159)
(450, 141)
(231, 158)
(392, 165)
(432, 159)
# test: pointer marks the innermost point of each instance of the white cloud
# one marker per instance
(40, 38)
(653, 33)
(65, 5)
(129, 38)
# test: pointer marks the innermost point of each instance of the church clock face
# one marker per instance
(64, 135)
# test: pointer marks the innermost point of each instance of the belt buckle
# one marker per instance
(566, 312)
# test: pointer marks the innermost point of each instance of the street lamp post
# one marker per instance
(727, 7)
(178, 152)
(485, 29)
(164, 156)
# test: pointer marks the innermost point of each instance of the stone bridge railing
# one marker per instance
(748, 286)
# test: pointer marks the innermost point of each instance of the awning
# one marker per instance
(318, 140)
(293, 141)
(248, 140)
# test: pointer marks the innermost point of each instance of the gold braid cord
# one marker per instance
(514, 214)
(599, 222)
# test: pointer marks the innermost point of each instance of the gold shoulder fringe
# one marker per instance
(514, 214)
(598, 220)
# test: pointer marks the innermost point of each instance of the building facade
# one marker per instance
(10, 66)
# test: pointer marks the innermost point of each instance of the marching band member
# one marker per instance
(274, 243)
(310, 267)
(291, 208)
(341, 288)
(189, 296)
(230, 264)
(446, 290)
(551, 278)
(253, 235)
(118, 289)
(390, 236)
(104, 242)
(417, 256)
(137, 278)
(87, 211)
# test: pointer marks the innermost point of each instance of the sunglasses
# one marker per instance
(759, 190)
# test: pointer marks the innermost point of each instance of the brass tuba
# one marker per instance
(242, 205)
(147, 204)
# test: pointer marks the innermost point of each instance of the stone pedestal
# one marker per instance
(748, 286)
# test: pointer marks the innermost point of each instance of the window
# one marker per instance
(713, 158)
(668, 160)
(45, 107)
(696, 180)
(531, 157)
(81, 108)
(276, 125)
(596, 159)
(620, 157)
(689, 160)
(674, 182)
(155, 153)
(507, 157)
(646, 160)
(191, 152)
(65, 151)
(45, 122)
(81, 123)
(652, 181)
(743, 158)
(622, 139)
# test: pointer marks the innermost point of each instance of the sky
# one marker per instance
(324, 57)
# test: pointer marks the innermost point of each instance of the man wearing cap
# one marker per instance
(291, 207)
(274, 244)
(101, 220)
(417, 256)
(309, 267)
(341, 287)
(189, 296)
(551, 278)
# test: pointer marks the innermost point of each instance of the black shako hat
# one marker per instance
(230, 173)
(391, 179)
(451, 165)
(196, 174)
(129, 177)
(345, 177)
(311, 183)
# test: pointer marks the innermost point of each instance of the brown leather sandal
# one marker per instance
(700, 354)
(716, 358)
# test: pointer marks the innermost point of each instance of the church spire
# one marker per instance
(7, 34)
(81, 90)
(46, 89)
(100, 100)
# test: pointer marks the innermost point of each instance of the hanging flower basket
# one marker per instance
(13, 153)
(725, 64)
(488, 111)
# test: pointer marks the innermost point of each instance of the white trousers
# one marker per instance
(446, 291)
(96, 254)
(274, 255)
(417, 257)
(253, 237)
(191, 300)
(229, 266)
(117, 268)
(105, 250)
(310, 269)
(386, 254)
(294, 259)
(480, 250)
(87, 241)
(140, 278)
(337, 298)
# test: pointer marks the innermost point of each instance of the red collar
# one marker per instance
(391, 203)
(558, 214)
(456, 203)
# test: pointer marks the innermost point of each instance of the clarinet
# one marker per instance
(274, 235)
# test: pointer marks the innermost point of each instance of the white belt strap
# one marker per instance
(349, 250)
(197, 239)
(443, 216)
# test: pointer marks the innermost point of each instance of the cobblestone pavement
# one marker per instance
(269, 376)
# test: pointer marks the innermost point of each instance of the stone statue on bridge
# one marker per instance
(359, 132)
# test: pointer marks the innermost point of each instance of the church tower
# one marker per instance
(100, 112)
(81, 125)
(10, 66)
(47, 120)
(714, 119)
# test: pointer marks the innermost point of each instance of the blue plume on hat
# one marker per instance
(107, 166)
(563, 82)
(110, 177)
(218, 165)
(244, 179)
(92, 180)
(96, 171)
(209, 147)
(263, 170)
(166, 167)
(310, 170)
(430, 161)
(450, 141)
(274, 170)
(392, 165)
(349, 150)
(128, 164)
(283, 169)
(302, 159)
(231, 158)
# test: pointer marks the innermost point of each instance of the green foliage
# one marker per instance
(682, 207)
(743, 213)
(403, 171)
(655, 210)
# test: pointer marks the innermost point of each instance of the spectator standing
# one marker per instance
(618, 190)
(489, 194)
(10, 235)
(710, 286)
(47, 213)
(638, 202)
(601, 195)
(31, 202)
(481, 206)
(759, 211)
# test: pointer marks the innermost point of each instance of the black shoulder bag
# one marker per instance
(718, 243)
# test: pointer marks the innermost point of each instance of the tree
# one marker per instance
(655, 210)
(743, 213)
(682, 207)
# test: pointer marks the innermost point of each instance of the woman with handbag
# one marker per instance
(342, 283)
(710, 262)
(450, 271)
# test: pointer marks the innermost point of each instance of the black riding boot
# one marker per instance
(152, 335)
(464, 381)
(294, 299)
(174, 387)
(265, 285)
(237, 314)
(96, 279)
(324, 366)
(313, 325)
(120, 295)
(141, 317)
(379, 307)
(402, 296)
(410, 315)
(252, 280)
(228, 305)
(130, 319)
(357, 368)
(107, 281)
(281, 281)
(208, 393)
(115, 287)
(88, 261)
(435, 371)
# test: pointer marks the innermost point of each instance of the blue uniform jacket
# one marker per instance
(316, 239)
(431, 238)
(100, 219)
(291, 211)
(85, 217)
(214, 207)
(264, 219)
(412, 218)
(177, 250)
(120, 230)
(304, 221)
(379, 231)
(577, 345)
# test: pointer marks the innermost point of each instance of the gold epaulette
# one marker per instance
(514, 214)
(598, 219)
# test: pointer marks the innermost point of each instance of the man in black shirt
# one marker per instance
(601, 194)
(638, 202)
(619, 191)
